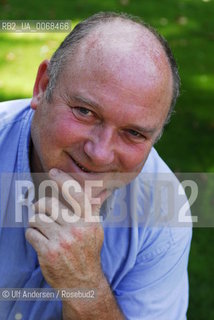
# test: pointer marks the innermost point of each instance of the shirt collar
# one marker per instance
(24, 144)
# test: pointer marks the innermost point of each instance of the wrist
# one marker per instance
(100, 306)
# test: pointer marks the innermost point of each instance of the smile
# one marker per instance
(81, 167)
(84, 169)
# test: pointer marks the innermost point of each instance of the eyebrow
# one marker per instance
(95, 105)
(86, 101)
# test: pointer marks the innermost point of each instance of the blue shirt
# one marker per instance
(144, 255)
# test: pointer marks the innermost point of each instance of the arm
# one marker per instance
(69, 255)
(156, 288)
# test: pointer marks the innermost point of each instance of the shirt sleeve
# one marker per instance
(156, 288)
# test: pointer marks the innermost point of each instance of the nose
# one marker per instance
(100, 146)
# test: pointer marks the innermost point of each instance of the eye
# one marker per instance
(82, 113)
(135, 134)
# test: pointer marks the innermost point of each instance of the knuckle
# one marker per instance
(66, 243)
(53, 253)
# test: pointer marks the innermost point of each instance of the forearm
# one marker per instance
(102, 306)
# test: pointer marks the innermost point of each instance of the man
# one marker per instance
(98, 107)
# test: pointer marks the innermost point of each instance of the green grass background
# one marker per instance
(187, 144)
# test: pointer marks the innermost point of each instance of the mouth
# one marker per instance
(81, 167)
(86, 170)
(111, 179)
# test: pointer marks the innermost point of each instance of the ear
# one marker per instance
(40, 84)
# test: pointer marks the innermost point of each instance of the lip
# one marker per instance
(78, 168)
(81, 167)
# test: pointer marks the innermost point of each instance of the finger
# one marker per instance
(45, 225)
(83, 204)
(57, 211)
(71, 189)
(48, 206)
(65, 182)
(36, 239)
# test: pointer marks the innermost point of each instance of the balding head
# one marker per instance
(117, 43)
(112, 89)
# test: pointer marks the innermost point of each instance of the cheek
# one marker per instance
(135, 157)
(64, 133)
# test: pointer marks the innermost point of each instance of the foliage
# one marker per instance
(187, 142)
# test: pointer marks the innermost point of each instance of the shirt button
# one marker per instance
(18, 316)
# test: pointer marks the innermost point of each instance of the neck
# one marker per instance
(37, 172)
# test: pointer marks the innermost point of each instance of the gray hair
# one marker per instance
(81, 30)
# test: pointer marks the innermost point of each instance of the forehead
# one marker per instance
(127, 62)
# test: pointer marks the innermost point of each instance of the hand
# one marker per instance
(68, 253)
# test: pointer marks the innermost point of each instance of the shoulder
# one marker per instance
(161, 198)
(13, 115)
(15, 122)
(13, 111)
(150, 208)
(153, 244)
